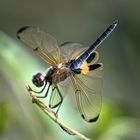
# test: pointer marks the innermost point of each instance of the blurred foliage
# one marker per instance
(3, 117)
(79, 21)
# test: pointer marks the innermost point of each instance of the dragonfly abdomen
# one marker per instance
(77, 63)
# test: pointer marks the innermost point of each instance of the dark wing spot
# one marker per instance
(94, 119)
(91, 120)
(21, 30)
(91, 57)
(36, 49)
(77, 90)
(94, 66)
(83, 116)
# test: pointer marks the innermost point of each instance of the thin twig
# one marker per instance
(52, 115)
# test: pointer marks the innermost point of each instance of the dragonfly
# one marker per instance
(69, 66)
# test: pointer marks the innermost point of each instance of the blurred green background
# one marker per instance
(79, 21)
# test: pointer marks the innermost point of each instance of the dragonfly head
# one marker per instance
(38, 80)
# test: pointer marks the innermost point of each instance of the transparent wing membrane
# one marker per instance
(42, 44)
(70, 50)
(88, 93)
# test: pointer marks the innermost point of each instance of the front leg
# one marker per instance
(45, 93)
(38, 92)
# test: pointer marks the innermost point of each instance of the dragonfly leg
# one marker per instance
(44, 96)
(38, 92)
(59, 103)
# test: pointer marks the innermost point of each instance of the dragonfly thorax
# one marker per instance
(57, 74)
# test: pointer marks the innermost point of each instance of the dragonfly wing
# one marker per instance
(93, 58)
(42, 44)
(70, 50)
(88, 93)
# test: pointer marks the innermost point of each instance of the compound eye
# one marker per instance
(38, 80)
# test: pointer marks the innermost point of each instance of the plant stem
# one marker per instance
(52, 115)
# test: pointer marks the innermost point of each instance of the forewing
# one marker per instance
(42, 44)
(88, 93)
(71, 51)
